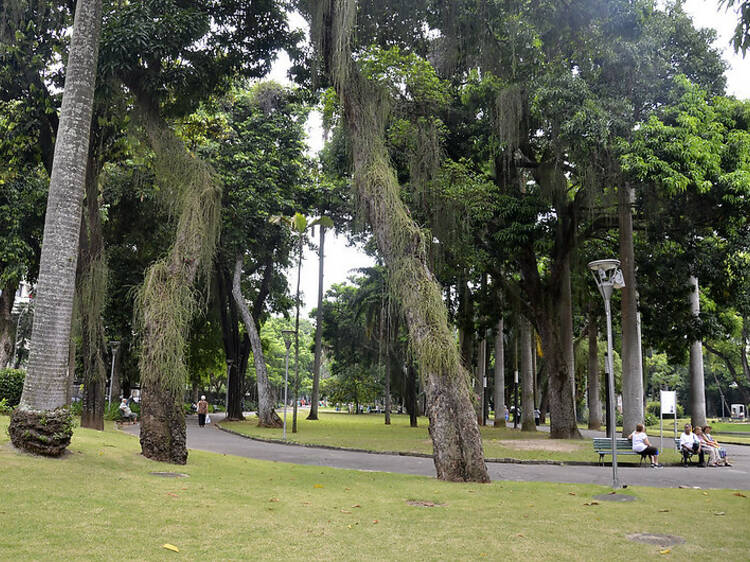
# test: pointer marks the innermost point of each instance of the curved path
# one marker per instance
(214, 440)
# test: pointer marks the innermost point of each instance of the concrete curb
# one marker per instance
(503, 460)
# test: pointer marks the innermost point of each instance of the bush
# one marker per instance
(11, 385)
(5, 409)
(651, 419)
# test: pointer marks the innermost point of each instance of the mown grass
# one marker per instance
(367, 431)
(100, 503)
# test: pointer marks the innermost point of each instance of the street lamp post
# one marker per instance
(229, 374)
(288, 335)
(608, 276)
(115, 346)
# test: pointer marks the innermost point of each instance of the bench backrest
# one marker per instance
(605, 444)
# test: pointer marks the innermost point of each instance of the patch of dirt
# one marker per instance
(423, 503)
(538, 444)
(659, 540)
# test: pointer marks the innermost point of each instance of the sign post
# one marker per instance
(668, 401)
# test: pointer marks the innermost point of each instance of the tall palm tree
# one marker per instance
(41, 423)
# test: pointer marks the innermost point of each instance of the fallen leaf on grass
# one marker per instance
(521, 535)
(348, 526)
(317, 485)
(306, 503)
(345, 511)
(274, 499)
(356, 505)
(720, 513)
(571, 493)
(170, 547)
(173, 495)
(665, 551)
(739, 494)
(375, 521)
(592, 503)
(705, 493)
(664, 510)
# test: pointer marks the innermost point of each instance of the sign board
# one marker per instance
(668, 402)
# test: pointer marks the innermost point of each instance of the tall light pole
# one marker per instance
(115, 344)
(288, 335)
(229, 374)
(608, 276)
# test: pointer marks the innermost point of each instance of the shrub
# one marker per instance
(651, 419)
(654, 408)
(11, 385)
(5, 409)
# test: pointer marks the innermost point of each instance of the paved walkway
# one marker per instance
(214, 440)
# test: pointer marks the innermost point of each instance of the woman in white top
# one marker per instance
(641, 445)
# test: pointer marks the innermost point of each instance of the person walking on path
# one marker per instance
(202, 411)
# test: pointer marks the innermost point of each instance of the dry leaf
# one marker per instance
(317, 485)
(571, 493)
(345, 511)
(348, 526)
(740, 494)
(173, 495)
(521, 535)
(375, 521)
(170, 547)
(705, 493)
(665, 551)
(720, 513)
(592, 503)
(356, 505)
(664, 510)
(274, 499)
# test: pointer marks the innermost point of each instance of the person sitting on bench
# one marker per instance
(713, 453)
(689, 443)
(642, 446)
(126, 413)
(711, 442)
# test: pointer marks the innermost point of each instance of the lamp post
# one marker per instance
(288, 335)
(608, 276)
(115, 344)
(229, 374)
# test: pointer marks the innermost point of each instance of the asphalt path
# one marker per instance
(214, 440)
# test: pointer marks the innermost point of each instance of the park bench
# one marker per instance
(688, 455)
(603, 446)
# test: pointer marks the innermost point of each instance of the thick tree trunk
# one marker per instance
(499, 375)
(233, 344)
(7, 331)
(632, 364)
(315, 398)
(167, 302)
(267, 416)
(527, 376)
(40, 424)
(594, 377)
(697, 380)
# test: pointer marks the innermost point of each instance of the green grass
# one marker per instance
(370, 433)
(99, 503)
(720, 427)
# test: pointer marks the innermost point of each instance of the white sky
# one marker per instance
(341, 259)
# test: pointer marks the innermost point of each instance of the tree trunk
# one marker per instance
(41, 424)
(233, 344)
(527, 376)
(499, 375)
(267, 416)
(565, 315)
(411, 396)
(632, 364)
(166, 301)
(481, 373)
(91, 290)
(7, 331)
(315, 398)
(697, 380)
(457, 443)
(594, 377)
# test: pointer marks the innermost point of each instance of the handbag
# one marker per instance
(208, 418)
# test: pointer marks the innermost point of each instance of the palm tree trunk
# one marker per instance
(632, 365)
(41, 423)
(315, 398)
(527, 376)
(499, 375)
(267, 416)
(697, 379)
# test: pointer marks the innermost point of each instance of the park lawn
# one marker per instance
(99, 502)
(720, 427)
(368, 432)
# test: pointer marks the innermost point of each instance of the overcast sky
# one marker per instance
(341, 259)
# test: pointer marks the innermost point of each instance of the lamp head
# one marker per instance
(607, 275)
(288, 334)
(115, 344)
